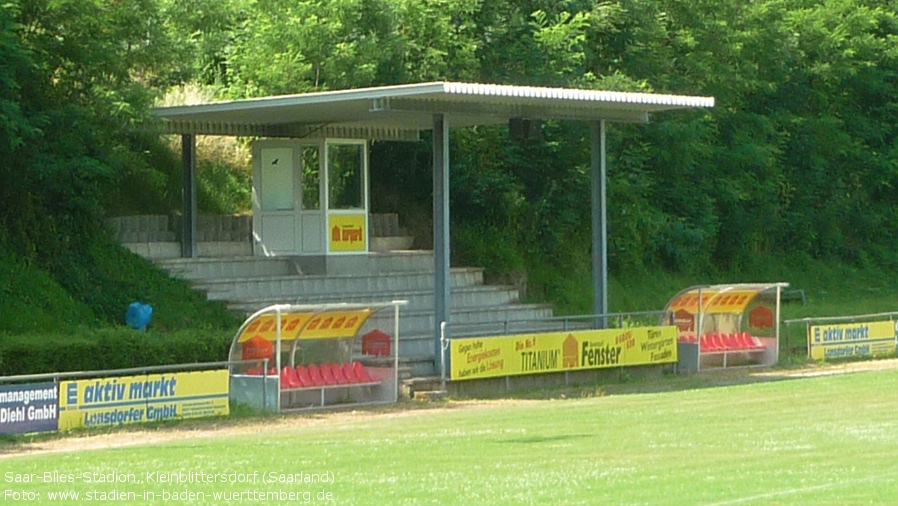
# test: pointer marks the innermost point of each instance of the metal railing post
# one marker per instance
(444, 343)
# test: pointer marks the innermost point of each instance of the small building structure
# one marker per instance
(287, 357)
(726, 325)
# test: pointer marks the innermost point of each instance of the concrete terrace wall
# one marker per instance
(163, 228)
(158, 236)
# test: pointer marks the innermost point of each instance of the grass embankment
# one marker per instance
(68, 313)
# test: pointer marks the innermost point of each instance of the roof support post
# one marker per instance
(440, 233)
(188, 207)
(599, 224)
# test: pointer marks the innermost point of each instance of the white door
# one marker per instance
(287, 214)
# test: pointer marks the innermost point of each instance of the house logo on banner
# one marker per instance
(570, 352)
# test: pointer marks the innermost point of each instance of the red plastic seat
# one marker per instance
(731, 342)
(756, 343)
(712, 343)
(328, 374)
(254, 371)
(338, 374)
(705, 344)
(288, 378)
(737, 341)
(361, 373)
(273, 371)
(349, 373)
(315, 375)
(297, 381)
(708, 344)
(303, 374)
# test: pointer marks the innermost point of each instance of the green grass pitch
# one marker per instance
(829, 440)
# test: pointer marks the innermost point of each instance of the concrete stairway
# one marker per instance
(250, 283)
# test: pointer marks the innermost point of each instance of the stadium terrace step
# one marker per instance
(250, 266)
(467, 296)
(199, 269)
(298, 286)
(247, 284)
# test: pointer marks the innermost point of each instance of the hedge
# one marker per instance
(109, 348)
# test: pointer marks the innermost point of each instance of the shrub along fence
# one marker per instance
(109, 348)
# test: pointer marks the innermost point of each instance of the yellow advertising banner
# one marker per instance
(265, 326)
(324, 324)
(144, 398)
(487, 357)
(346, 233)
(730, 301)
(868, 339)
(335, 324)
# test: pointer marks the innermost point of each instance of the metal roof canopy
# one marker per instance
(401, 112)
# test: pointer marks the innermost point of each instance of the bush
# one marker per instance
(109, 348)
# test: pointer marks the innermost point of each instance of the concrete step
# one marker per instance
(470, 296)
(410, 367)
(471, 316)
(415, 385)
(200, 269)
(293, 287)
(512, 327)
(250, 266)
(206, 250)
(400, 261)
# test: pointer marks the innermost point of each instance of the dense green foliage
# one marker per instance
(798, 159)
(109, 348)
(74, 100)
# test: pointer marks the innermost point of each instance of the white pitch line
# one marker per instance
(791, 491)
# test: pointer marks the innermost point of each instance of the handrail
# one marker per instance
(129, 370)
(811, 319)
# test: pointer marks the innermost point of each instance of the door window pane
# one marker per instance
(277, 179)
(345, 176)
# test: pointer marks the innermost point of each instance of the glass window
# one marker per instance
(311, 179)
(277, 179)
(345, 164)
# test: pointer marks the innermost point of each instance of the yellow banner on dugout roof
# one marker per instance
(306, 325)
(265, 326)
(346, 233)
(144, 398)
(868, 339)
(486, 357)
(713, 301)
(335, 324)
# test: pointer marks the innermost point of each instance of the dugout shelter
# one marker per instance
(726, 325)
(287, 357)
